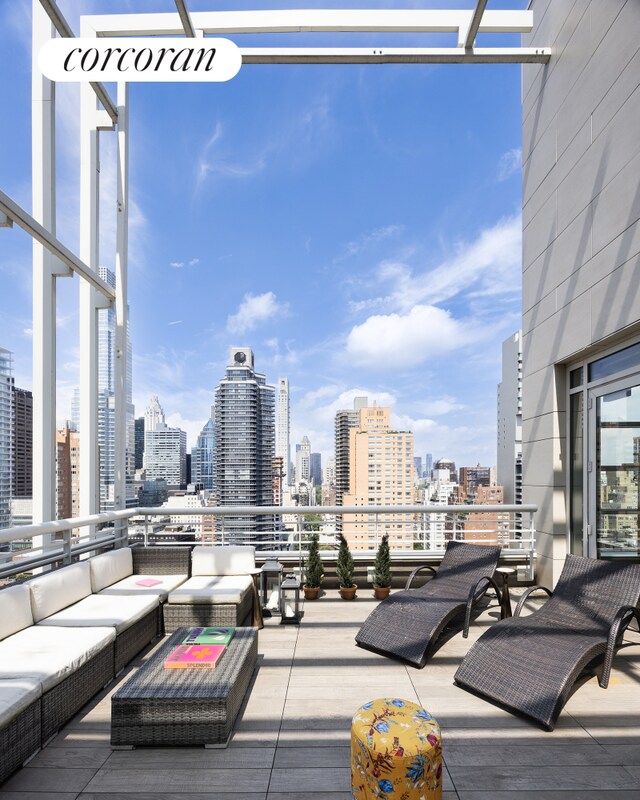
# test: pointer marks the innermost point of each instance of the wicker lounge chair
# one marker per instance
(530, 664)
(408, 623)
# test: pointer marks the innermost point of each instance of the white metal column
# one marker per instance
(90, 300)
(45, 269)
(121, 303)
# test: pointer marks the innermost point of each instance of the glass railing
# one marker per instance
(414, 531)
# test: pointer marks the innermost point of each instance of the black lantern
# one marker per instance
(290, 600)
(270, 580)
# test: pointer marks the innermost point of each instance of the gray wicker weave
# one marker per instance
(161, 560)
(135, 638)
(530, 664)
(61, 702)
(20, 739)
(408, 623)
(193, 615)
(159, 706)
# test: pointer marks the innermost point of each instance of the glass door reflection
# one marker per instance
(617, 465)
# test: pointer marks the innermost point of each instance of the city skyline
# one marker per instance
(361, 235)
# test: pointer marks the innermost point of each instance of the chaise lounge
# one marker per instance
(530, 664)
(408, 624)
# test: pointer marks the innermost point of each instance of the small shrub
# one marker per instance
(382, 564)
(313, 569)
(345, 568)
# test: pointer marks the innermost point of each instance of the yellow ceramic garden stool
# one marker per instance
(396, 752)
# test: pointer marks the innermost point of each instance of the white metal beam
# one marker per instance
(89, 252)
(64, 29)
(121, 305)
(474, 25)
(295, 20)
(185, 18)
(397, 55)
(44, 282)
(59, 251)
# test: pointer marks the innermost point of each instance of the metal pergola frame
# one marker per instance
(99, 112)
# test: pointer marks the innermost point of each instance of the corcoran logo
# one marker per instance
(139, 59)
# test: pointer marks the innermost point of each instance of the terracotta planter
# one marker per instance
(381, 592)
(348, 593)
(311, 592)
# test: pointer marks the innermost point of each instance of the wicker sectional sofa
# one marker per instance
(65, 634)
(220, 589)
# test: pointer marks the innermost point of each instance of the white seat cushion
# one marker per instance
(15, 610)
(49, 654)
(212, 589)
(131, 586)
(100, 610)
(109, 568)
(231, 560)
(58, 589)
(15, 695)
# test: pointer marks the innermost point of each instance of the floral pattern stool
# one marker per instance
(396, 752)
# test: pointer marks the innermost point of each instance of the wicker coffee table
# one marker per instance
(159, 706)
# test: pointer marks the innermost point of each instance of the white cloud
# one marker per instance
(175, 322)
(370, 239)
(254, 310)
(183, 264)
(510, 163)
(388, 341)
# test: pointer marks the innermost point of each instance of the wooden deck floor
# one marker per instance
(292, 738)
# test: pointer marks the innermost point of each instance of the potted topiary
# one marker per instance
(345, 570)
(382, 570)
(313, 570)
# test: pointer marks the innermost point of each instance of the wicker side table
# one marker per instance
(159, 706)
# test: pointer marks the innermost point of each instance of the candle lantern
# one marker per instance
(270, 580)
(290, 600)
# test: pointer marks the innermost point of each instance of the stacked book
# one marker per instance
(201, 648)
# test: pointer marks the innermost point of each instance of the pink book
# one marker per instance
(148, 582)
(195, 656)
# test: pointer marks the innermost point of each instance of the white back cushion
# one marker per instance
(15, 610)
(232, 560)
(59, 589)
(110, 568)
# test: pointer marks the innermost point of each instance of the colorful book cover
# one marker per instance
(209, 636)
(148, 582)
(195, 656)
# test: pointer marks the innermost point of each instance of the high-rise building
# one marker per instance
(203, 456)
(485, 528)
(443, 464)
(22, 478)
(245, 442)
(316, 468)
(417, 463)
(344, 421)
(67, 472)
(139, 442)
(106, 404)
(380, 474)
(303, 460)
(428, 466)
(6, 436)
(283, 424)
(165, 448)
(510, 420)
(473, 477)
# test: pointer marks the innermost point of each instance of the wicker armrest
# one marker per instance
(475, 594)
(416, 571)
(621, 621)
(526, 594)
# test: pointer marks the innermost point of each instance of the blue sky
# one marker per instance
(357, 226)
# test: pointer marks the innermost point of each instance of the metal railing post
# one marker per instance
(66, 547)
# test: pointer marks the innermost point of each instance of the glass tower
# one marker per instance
(245, 439)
